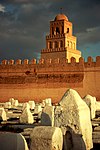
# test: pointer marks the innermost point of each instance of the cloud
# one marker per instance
(2, 8)
(90, 36)
(25, 23)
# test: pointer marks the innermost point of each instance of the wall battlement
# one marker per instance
(90, 62)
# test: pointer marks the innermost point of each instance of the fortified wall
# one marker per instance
(32, 80)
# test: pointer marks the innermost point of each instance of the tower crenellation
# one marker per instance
(20, 62)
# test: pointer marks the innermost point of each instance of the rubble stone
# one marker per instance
(75, 114)
(46, 138)
(47, 116)
(37, 109)
(3, 116)
(12, 141)
(91, 102)
(26, 116)
(32, 104)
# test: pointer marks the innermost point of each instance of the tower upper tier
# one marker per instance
(60, 17)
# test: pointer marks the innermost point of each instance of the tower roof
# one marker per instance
(61, 17)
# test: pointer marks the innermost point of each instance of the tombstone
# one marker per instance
(91, 102)
(25, 105)
(76, 115)
(47, 116)
(14, 102)
(32, 104)
(97, 106)
(3, 116)
(37, 109)
(7, 105)
(46, 102)
(73, 141)
(12, 141)
(26, 116)
(46, 138)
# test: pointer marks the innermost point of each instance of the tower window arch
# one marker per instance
(52, 30)
(57, 30)
(50, 44)
(67, 30)
(61, 43)
(56, 44)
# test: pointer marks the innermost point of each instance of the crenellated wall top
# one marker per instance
(89, 63)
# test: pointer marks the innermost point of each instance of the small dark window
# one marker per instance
(67, 30)
(50, 44)
(52, 30)
(61, 43)
(62, 29)
(57, 30)
(56, 44)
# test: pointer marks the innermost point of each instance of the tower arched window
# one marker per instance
(67, 30)
(62, 29)
(52, 30)
(50, 44)
(57, 30)
(56, 44)
(61, 43)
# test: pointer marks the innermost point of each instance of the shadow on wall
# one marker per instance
(73, 141)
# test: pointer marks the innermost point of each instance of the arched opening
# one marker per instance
(56, 44)
(57, 30)
(50, 45)
(67, 30)
(61, 43)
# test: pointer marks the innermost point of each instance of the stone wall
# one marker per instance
(27, 80)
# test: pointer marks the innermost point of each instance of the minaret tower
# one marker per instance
(60, 43)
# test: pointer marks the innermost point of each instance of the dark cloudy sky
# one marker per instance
(25, 23)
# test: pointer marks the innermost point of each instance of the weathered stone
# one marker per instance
(7, 105)
(2, 115)
(12, 141)
(73, 141)
(97, 105)
(26, 116)
(47, 116)
(32, 104)
(75, 114)
(91, 102)
(47, 102)
(14, 102)
(46, 138)
(37, 109)
(25, 105)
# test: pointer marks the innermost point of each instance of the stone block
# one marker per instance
(46, 138)
(91, 102)
(47, 116)
(26, 116)
(14, 102)
(37, 109)
(47, 102)
(7, 105)
(75, 115)
(32, 104)
(97, 105)
(12, 141)
(3, 116)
